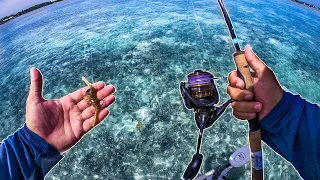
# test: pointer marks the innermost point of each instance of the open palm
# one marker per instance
(64, 121)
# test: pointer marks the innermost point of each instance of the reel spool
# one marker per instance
(201, 85)
(202, 91)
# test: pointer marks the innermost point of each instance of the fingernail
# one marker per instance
(102, 102)
(238, 85)
(249, 46)
(248, 96)
(252, 115)
(257, 107)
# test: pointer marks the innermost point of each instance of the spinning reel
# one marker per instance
(201, 95)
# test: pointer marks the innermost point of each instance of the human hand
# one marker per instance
(267, 90)
(62, 122)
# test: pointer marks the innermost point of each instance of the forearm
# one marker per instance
(292, 130)
(24, 155)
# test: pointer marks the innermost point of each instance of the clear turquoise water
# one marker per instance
(145, 48)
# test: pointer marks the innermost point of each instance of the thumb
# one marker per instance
(35, 92)
(253, 60)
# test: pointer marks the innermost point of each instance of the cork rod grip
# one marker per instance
(243, 69)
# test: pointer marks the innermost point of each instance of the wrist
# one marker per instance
(270, 104)
(45, 155)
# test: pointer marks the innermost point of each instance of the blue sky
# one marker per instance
(8, 7)
(313, 2)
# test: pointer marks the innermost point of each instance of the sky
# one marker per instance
(313, 2)
(8, 7)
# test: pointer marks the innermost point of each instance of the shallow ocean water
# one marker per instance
(145, 48)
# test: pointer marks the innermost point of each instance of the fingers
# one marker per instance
(235, 81)
(89, 117)
(244, 116)
(235, 89)
(35, 92)
(106, 91)
(245, 109)
(253, 60)
(89, 112)
(88, 124)
(247, 106)
(77, 96)
(239, 94)
(101, 94)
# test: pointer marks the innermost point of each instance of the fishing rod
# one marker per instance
(244, 73)
(200, 94)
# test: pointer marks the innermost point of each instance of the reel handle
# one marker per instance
(254, 132)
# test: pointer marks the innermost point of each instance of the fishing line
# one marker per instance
(200, 30)
(88, 60)
(91, 68)
(200, 94)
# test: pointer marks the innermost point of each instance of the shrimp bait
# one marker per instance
(91, 98)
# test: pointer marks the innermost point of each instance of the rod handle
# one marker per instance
(254, 132)
(243, 69)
